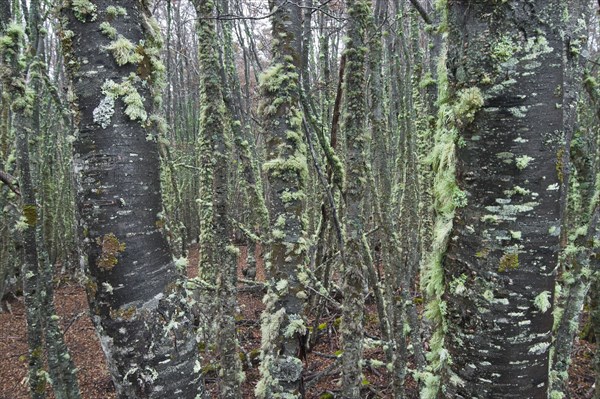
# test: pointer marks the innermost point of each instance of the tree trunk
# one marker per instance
(505, 66)
(283, 324)
(137, 304)
(217, 252)
(356, 134)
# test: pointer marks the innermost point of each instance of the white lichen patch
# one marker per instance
(104, 112)
(539, 348)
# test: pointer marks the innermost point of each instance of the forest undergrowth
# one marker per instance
(321, 372)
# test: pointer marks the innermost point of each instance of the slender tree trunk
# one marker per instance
(216, 247)
(137, 304)
(283, 324)
(354, 280)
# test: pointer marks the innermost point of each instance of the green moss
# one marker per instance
(84, 9)
(111, 247)
(559, 163)
(469, 101)
(30, 214)
(483, 253)
(504, 49)
(509, 261)
(427, 80)
(14, 34)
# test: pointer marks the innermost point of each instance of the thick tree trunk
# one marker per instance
(136, 302)
(500, 264)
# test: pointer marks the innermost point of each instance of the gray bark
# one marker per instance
(504, 242)
(137, 304)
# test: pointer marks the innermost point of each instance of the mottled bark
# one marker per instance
(32, 284)
(283, 324)
(218, 254)
(503, 247)
(356, 136)
(137, 304)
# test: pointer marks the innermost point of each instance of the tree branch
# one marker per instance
(421, 11)
(10, 182)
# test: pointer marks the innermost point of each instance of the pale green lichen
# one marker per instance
(124, 51)
(523, 161)
(108, 30)
(134, 104)
(539, 348)
(489, 219)
(84, 9)
(21, 224)
(488, 295)
(113, 12)
(181, 263)
(516, 235)
(457, 285)
(542, 301)
(295, 326)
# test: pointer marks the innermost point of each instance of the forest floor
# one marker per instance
(321, 369)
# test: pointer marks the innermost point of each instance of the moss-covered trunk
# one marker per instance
(218, 255)
(354, 127)
(283, 325)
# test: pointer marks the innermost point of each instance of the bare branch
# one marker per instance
(421, 11)
(10, 182)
